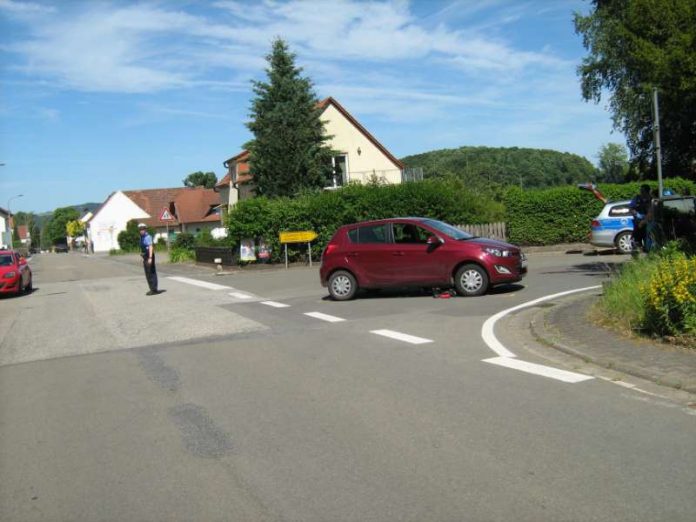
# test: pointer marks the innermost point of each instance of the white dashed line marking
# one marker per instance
(202, 284)
(412, 339)
(240, 295)
(325, 317)
(275, 304)
(538, 369)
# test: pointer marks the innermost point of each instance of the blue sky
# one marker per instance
(100, 96)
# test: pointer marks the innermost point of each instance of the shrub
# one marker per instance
(655, 294)
(670, 297)
(185, 241)
(564, 214)
(181, 255)
(129, 239)
(325, 211)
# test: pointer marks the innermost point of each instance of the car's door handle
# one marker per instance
(352, 254)
(398, 254)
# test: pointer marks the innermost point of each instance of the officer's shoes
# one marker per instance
(152, 292)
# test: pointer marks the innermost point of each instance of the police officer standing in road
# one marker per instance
(147, 251)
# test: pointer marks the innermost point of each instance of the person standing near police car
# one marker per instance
(640, 205)
(147, 251)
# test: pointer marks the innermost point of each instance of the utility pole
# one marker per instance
(656, 132)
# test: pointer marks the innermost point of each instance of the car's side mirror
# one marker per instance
(22, 260)
(434, 241)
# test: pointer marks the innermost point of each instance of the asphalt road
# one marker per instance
(227, 402)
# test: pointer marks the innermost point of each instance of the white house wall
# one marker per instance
(111, 219)
(347, 139)
(5, 237)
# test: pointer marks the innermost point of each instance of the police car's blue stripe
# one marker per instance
(614, 224)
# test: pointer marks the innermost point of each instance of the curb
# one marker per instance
(540, 331)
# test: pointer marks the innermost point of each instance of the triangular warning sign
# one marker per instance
(165, 215)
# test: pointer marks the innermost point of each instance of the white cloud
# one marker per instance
(148, 48)
(24, 8)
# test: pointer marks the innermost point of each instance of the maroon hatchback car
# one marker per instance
(416, 252)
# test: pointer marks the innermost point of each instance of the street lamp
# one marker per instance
(10, 213)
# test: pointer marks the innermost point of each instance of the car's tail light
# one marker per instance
(331, 247)
(596, 224)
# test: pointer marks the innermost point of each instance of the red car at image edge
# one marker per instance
(416, 252)
(15, 273)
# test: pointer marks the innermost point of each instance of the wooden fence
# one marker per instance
(492, 230)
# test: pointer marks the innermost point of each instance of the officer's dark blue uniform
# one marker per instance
(148, 261)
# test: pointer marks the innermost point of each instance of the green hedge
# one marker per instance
(324, 212)
(563, 214)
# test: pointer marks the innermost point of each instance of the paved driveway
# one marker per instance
(253, 397)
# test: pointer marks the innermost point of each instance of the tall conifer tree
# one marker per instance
(288, 152)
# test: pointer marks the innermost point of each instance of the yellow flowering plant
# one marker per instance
(670, 297)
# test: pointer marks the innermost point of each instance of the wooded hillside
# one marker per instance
(487, 166)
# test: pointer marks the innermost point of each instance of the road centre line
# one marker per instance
(538, 369)
(197, 282)
(412, 339)
(508, 359)
(275, 304)
(325, 317)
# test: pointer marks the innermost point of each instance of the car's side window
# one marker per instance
(353, 235)
(620, 211)
(372, 234)
(410, 233)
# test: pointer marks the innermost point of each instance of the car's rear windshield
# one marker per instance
(6, 260)
(448, 230)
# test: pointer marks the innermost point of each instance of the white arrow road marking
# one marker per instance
(325, 317)
(275, 304)
(506, 357)
(202, 284)
(402, 336)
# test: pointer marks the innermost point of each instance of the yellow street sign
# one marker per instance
(304, 236)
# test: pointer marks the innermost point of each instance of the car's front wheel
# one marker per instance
(342, 285)
(624, 242)
(471, 280)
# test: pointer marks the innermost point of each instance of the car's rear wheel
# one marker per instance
(471, 280)
(342, 285)
(624, 242)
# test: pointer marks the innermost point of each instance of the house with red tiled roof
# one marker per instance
(360, 157)
(190, 209)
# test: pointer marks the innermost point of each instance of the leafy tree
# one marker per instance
(56, 227)
(613, 163)
(75, 228)
(288, 152)
(635, 45)
(35, 232)
(200, 179)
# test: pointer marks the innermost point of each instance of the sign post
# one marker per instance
(303, 236)
(165, 217)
